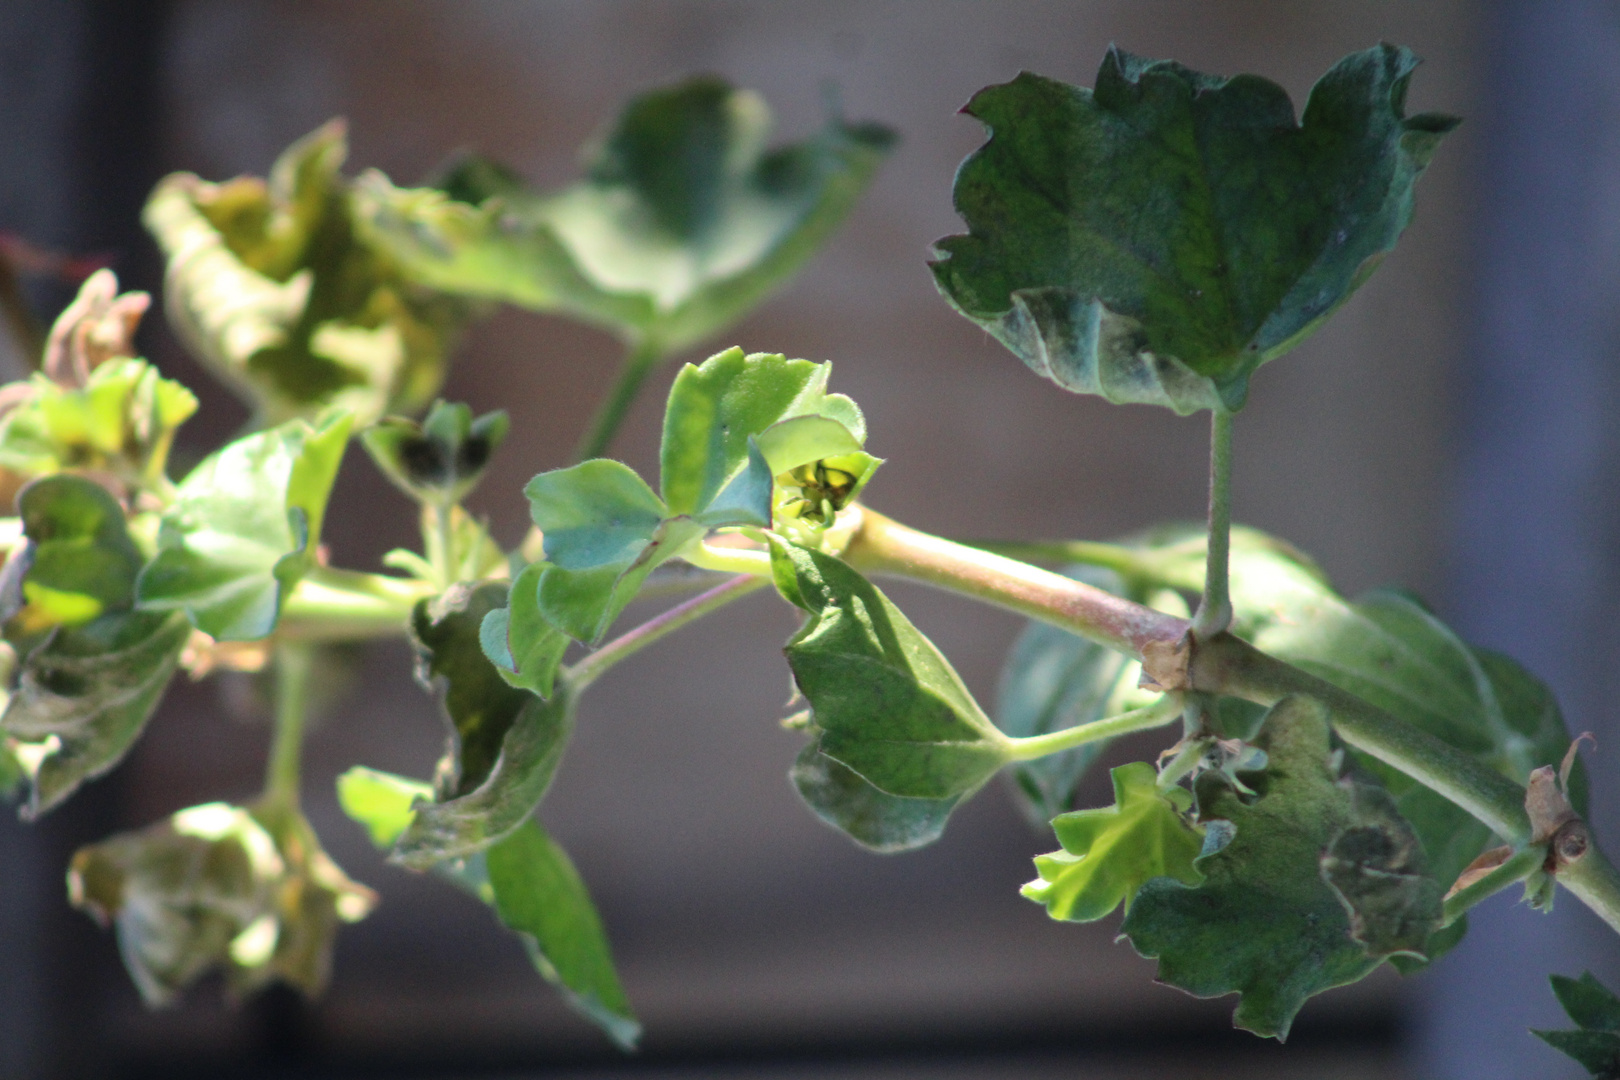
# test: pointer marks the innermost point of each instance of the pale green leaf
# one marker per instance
(525, 649)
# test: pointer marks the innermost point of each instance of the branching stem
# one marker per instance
(1215, 609)
(1518, 866)
(640, 359)
(1164, 711)
(591, 668)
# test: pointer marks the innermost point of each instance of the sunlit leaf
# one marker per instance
(1109, 854)
(505, 743)
(1264, 922)
(886, 702)
(440, 459)
(684, 222)
(271, 286)
(1596, 1012)
(1160, 237)
(81, 561)
(243, 529)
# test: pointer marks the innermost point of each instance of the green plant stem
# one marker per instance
(1215, 609)
(330, 604)
(1225, 665)
(639, 361)
(1127, 562)
(1518, 866)
(592, 667)
(1164, 711)
(291, 666)
(445, 534)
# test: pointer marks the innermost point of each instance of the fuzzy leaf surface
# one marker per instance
(683, 223)
(1264, 922)
(888, 705)
(1110, 853)
(873, 818)
(505, 743)
(243, 529)
(1159, 237)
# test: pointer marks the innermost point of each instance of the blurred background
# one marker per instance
(1451, 430)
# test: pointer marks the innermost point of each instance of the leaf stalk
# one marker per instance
(592, 667)
(293, 661)
(1164, 711)
(643, 355)
(1215, 609)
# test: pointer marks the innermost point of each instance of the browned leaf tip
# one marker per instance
(98, 326)
(1479, 868)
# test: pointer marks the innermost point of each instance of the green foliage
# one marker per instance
(525, 649)
(218, 886)
(885, 702)
(244, 527)
(1109, 854)
(731, 425)
(80, 559)
(1596, 1012)
(683, 223)
(533, 887)
(1160, 237)
(505, 743)
(1265, 922)
(871, 817)
(270, 284)
(12, 775)
(439, 460)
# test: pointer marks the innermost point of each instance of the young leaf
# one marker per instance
(244, 527)
(874, 819)
(1053, 680)
(1264, 922)
(1160, 237)
(270, 285)
(533, 887)
(85, 694)
(683, 223)
(81, 561)
(887, 704)
(439, 460)
(539, 896)
(525, 649)
(505, 743)
(1111, 853)
(1596, 1012)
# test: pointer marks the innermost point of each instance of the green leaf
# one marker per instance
(272, 287)
(525, 649)
(505, 743)
(442, 458)
(243, 529)
(81, 561)
(1264, 922)
(1596, 1011)
(1160, 237)
(533, 887)
(12, 774)
(887, 704)
(85, 693)
(594, 514)
(684, 222)
(874, 819)
(1054, 680)
(539, 895)
(1111, 853)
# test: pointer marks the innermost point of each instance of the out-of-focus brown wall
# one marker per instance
(735, 914)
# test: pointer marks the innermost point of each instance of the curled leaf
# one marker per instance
(440, 459)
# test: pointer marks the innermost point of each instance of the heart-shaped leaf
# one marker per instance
(271, 286)
(886, 702)
(1109, 854)
(505, 742)
(243, 529)
(1264, 922)
(1160, 237)
(684, 222)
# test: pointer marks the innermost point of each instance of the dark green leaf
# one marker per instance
(888, 705)
(532, 885)
(1109, 854)
(1596, 1011)
(539, 895)
(11, 771)
(872, 818)
(81, 561)
(440, 459)
(1054, 680)
(1377, 867)
(1264, 922)
(243, 529)
(683, 224)
(1160, 237)
(505, 743)
(272, 287)
(86, 693)
(525, 649)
